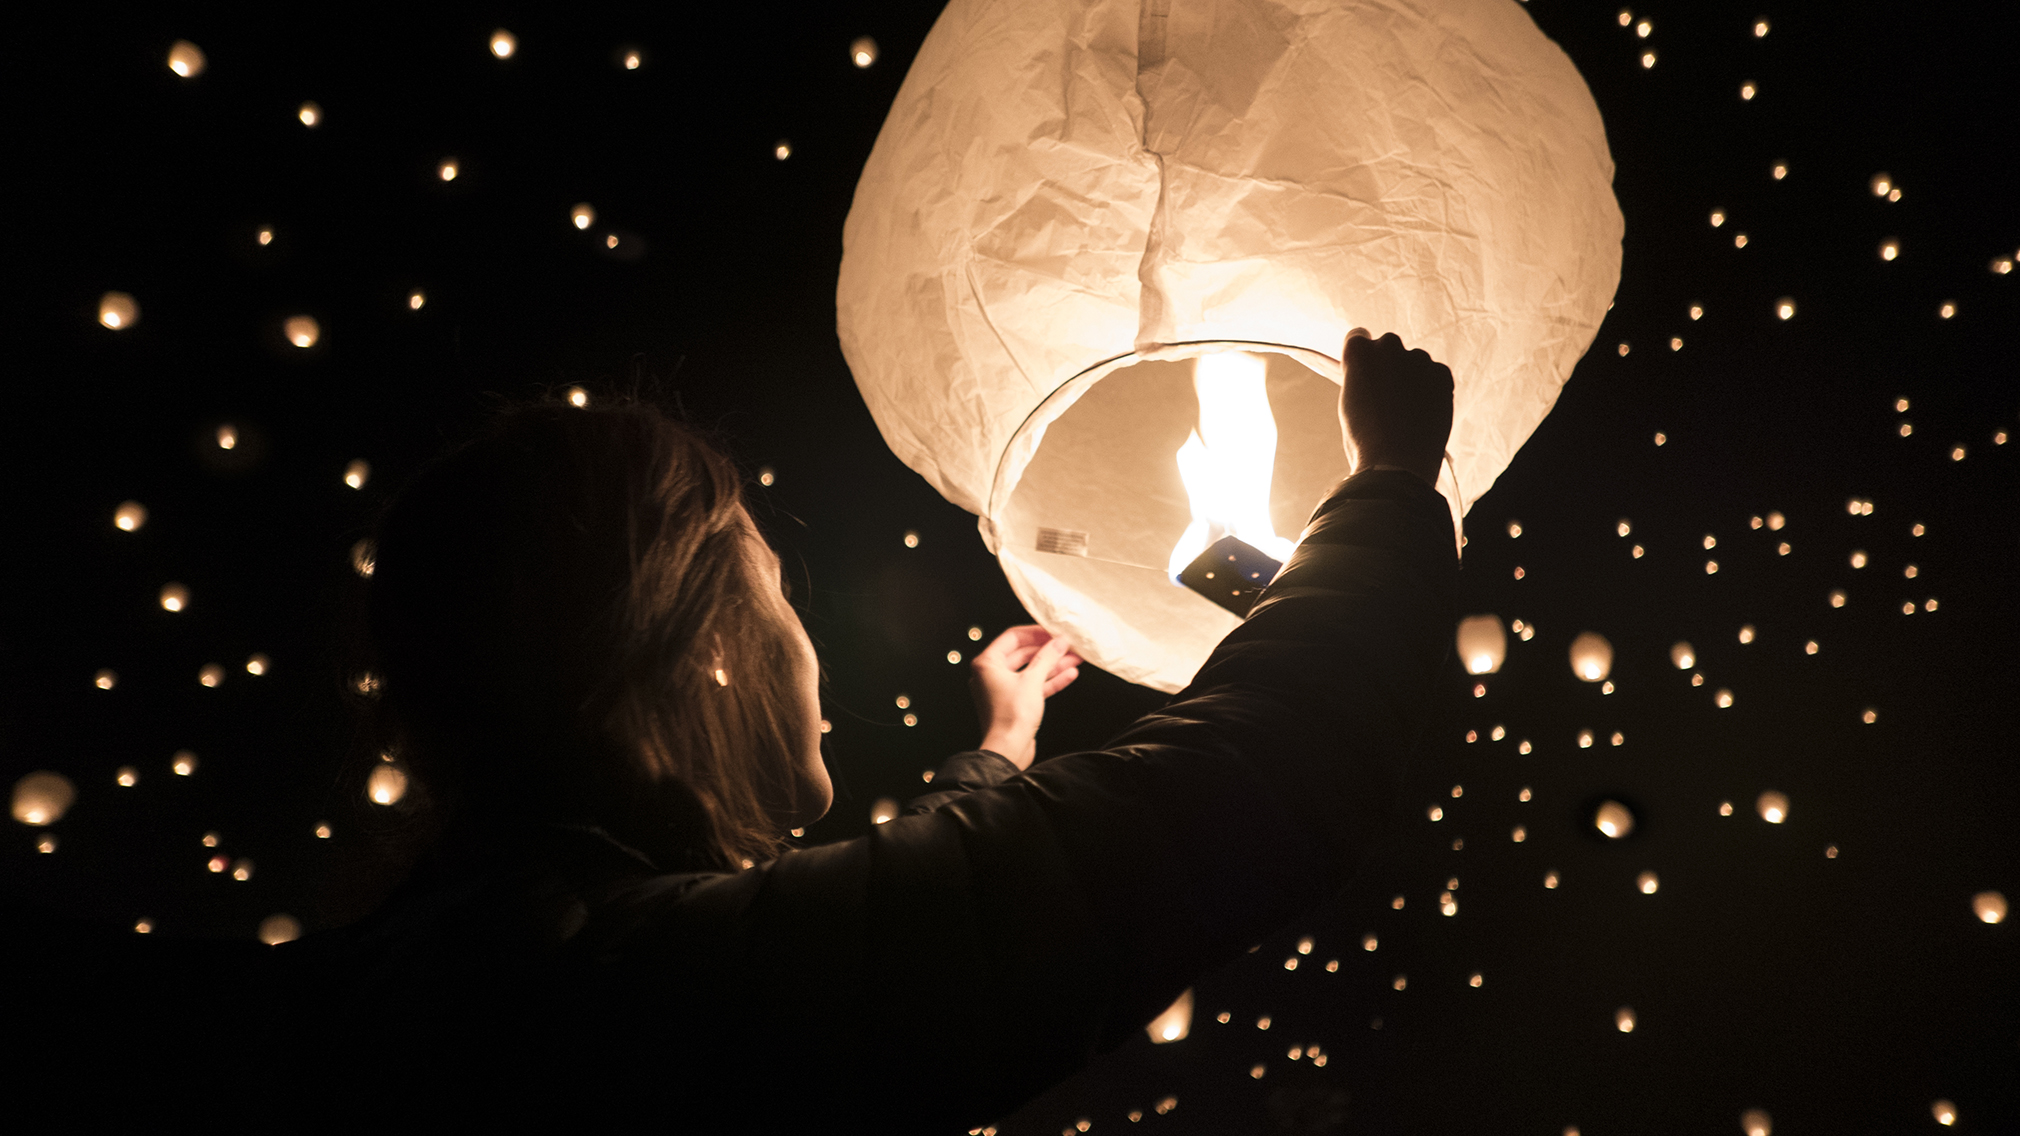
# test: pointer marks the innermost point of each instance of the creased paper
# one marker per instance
(1063, 185)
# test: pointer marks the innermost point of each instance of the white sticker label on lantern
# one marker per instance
(1065, 542)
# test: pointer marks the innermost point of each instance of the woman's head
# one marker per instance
(574, 617)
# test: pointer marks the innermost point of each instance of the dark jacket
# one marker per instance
(941, 970)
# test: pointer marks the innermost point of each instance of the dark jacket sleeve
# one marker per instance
(952, 963)
(962, 774)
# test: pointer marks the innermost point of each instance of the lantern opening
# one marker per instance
(1128, 473)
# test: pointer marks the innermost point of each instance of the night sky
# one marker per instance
(1828, 969)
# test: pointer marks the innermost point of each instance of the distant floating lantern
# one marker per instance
(310, 114)
(583, 215)
(1989, 906)
(227, 437)
(364, 557)
(278, 929)
(183, 764)
(1760, 31)
(447, 169)
(174, 597)
(1044, 360)
(1890, 249)
(1756, 1122)
(883, 811)
(105, 679)
(1483, 644)
(242, 869)
(1780, 171)
(1647, 883)
(1881, 184)
(504, 43)
(1624, 1020)
(1591, 657)
(632, 60)
(1785, 308)
(42, 797)
(186, 59)
(129, 516)
(1748, 90)
(1174, 1023)
(1944, 1112)
(1723, 699)
(1946, 310)
(211, 675)
(782, 149)
(118, 311)
(1643, 29)
(416, 299)
(387, 784)
(863, 50)
(127, 777)
(1772, 806)
(302, 331)
(357, 473)
(1613, 819)
(1746, 633)
(578, 397)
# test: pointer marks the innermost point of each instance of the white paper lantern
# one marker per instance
(1071, 200)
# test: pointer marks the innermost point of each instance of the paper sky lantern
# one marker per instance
(1592, 656)
(1482, 643)
(1174, 1023)
(43, 797)
(1102, 258)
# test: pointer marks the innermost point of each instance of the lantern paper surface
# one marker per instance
(1072, 200)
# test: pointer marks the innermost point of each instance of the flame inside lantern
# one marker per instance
(1227, 461)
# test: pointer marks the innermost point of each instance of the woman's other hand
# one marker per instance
(1011, 679)
(1395, 406)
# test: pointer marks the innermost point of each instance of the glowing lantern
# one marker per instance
(278, 929)
(1623, 1019)
(1756, 1122)
(1483, 645)
(1591, 657)
(583, 215)
(186, 59)
(127, 777)
(1174, 1023)
(118, 311)
(174, 597)
(183, 763)
(1682, 655)
(782, 149)
(387, 784)
(1944, 1112)
(883, 811)
(43, 797)
(1989, 906)
(302, 331)
(129, 516)
(311, 115)
(447, 170)
(1773, 807)
(863, 51)
(504, 43)
(1647, 883)
(357, 473)
(1189, 264)
(1614, 819)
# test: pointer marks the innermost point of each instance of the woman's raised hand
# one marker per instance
(1395, 406)
(1011, 679)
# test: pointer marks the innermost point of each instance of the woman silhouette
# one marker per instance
(590, 666)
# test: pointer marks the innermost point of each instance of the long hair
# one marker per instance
(568, 619)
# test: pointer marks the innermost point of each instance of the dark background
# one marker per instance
(1841, 994)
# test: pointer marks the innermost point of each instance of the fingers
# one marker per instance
(1026, 638)
(1061, 681)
